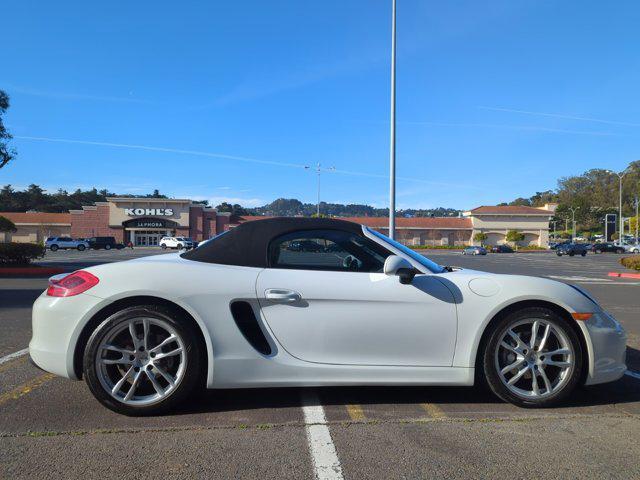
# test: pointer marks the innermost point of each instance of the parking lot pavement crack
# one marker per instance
(249, 428)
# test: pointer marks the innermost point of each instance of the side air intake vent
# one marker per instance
(247, 323)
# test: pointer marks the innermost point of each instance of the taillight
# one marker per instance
(72, 284)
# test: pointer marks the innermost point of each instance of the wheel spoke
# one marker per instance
(134, 386)
(113, 348)
(134, 334)
(545, 379)
(172, 353)
(166, 376)
(515, 364)
(560, 351)
(118, 361)
(165, 342)
(154, 382)
(116, 388)
(534, 333)
(511, 348)
(545, 337)
(534, 382)
(559, 364)
(145, 338)
(517, 376)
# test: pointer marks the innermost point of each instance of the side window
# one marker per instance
(331, 250)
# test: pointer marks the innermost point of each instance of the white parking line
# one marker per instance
(326, 464)
(632, 374)
(13, 355)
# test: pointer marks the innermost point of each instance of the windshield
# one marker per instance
(422, 260)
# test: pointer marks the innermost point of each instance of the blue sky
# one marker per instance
(229, 100)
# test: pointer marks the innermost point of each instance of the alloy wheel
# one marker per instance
(141, 362)
(534, 358)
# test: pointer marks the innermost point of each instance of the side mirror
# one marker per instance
(395, 265)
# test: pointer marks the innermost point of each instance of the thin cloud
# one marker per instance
(532, 128)
(560, 115)
(75, 96)
(237, 158)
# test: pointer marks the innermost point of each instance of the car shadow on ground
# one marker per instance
(624, 391)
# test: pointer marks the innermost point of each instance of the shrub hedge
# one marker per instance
(20, 253)
(631, 262)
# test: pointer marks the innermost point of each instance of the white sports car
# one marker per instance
(309, 302)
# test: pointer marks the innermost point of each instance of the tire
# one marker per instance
(583, 254)
(619, 250)
(562, 380)
(107, 247)
(53, 248)
(559, 254)
(81, 248)
(163, 246)
(179, 246)
(571, 254)
(146, 399)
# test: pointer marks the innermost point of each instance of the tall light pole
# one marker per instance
(636, 221)
(392, 146)
(319, 170)
(620, 177)
(573, 221)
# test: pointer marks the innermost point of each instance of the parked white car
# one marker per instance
(632, 248)
(245, 310)
(65, 243)
(176, 242)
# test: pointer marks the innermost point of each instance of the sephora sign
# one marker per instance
(155, 212)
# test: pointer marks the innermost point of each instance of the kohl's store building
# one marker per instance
(144, 221)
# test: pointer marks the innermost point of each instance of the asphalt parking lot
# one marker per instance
(52, 427)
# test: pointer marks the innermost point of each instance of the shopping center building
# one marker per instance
(144, 221)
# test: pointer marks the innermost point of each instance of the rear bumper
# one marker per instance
(57, 323)
(608, 346)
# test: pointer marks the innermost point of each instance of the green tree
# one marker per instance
(514, 237)
(7, 225)
(6, 153)
(480, 237)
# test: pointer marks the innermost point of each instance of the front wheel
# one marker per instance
(81, 248)
(533, 358)
(163, 246)
(53, 248)
(584, 254)
(107, 247)
(143, 360)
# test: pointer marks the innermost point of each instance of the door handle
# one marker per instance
(282, 295)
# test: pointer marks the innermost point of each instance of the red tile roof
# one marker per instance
(401, 222)
(510, 210)
(37, 217)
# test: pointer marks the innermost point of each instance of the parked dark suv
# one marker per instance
(572, 249)
(107, 243)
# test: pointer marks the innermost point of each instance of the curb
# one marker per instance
(30, 271)
(624, 275)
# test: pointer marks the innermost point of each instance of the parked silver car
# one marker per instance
(65, 243)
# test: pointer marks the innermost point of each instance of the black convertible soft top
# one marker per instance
(247, 244)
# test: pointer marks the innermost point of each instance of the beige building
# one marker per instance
(35, 227)
(496, 221)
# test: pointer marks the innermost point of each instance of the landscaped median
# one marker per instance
(15, 260)
(630, 262)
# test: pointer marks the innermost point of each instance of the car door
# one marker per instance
(336, 306)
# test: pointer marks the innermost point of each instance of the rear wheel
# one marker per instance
(107, 247)
(142, 360)
(163, 246)
(533, 358)
(81, 247)
(584, 254)
(53, 248)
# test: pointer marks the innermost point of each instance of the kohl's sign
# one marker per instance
(158, 212)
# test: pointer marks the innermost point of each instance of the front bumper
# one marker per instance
(57, 323)
(607, 343)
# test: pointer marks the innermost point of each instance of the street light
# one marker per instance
(392, 146)
(573, 221)
(620, 176)
(319, 170)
